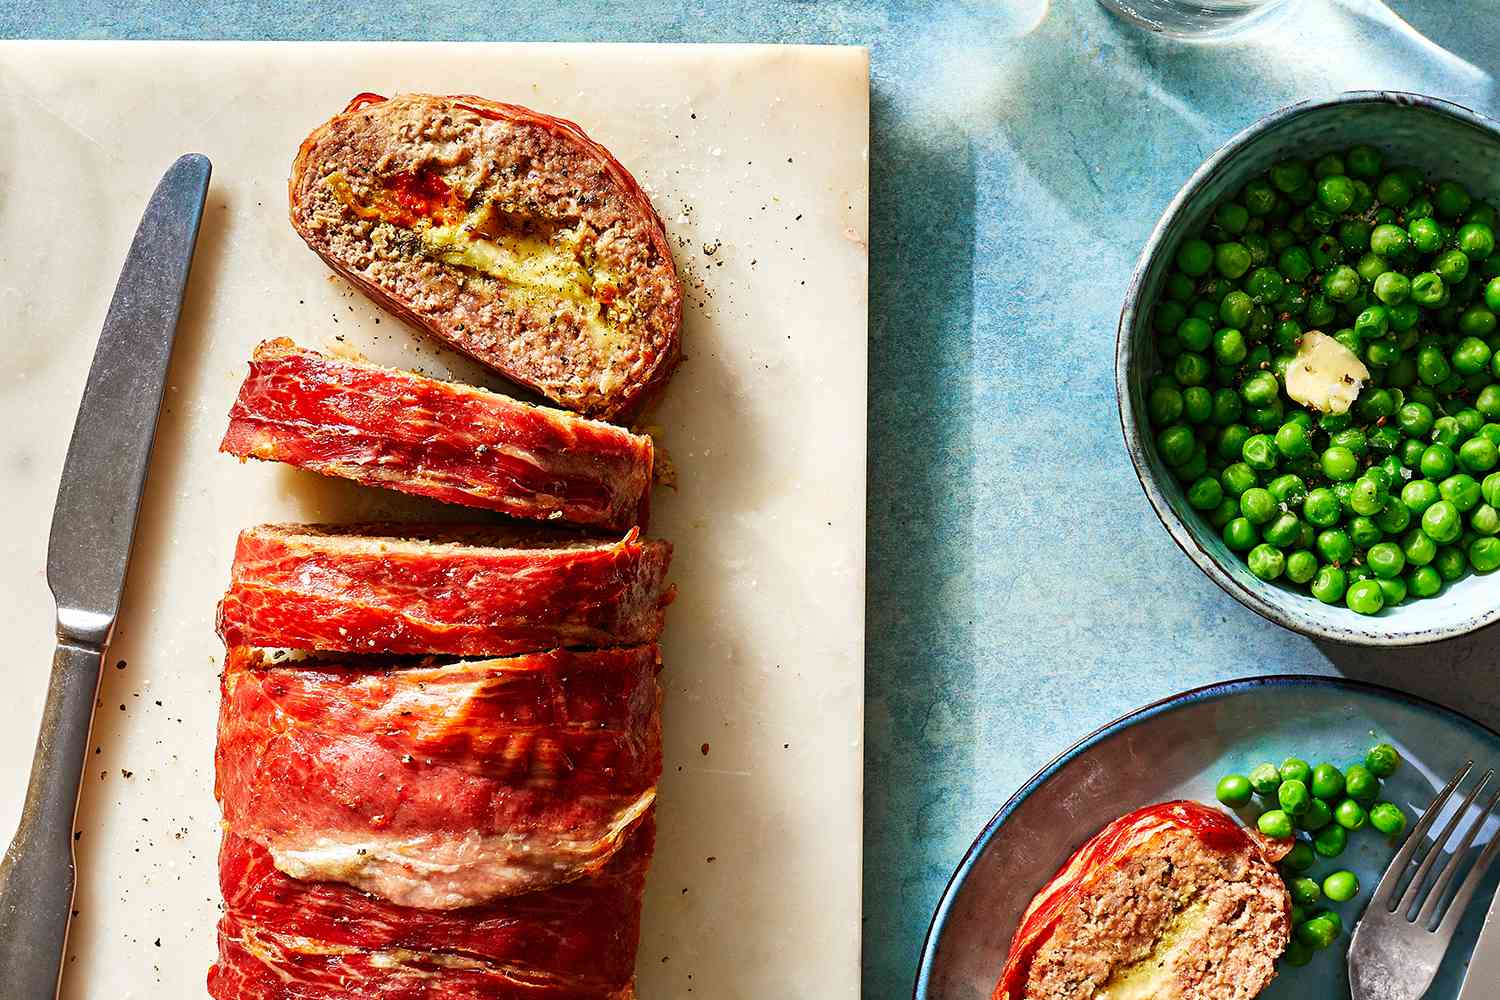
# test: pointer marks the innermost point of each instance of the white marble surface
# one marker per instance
(757, 160)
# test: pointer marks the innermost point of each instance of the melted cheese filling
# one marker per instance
(544, 267)
(1153, 975)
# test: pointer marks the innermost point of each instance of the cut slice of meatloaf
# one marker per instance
(509, 234)
(1172, 902)
(477, 590)
(283, 939)
(384, 427)
(440, 786)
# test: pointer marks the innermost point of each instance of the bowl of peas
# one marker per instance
(1308, 369)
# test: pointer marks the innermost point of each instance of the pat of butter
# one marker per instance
(1325, 374)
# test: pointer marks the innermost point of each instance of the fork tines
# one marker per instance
(1400, 901)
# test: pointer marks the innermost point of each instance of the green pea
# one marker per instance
(1393, 189)
(1282, 532)
(1425, 234)
(1360, 783)
(1240, 535)
(1238, 478)
(1276, 824)
(1382, 760)
(1341, 886)
(1318, 815)
(1330, 841)
(1301, 566)
(1293, 797)
(1490, 489)
(1231, 260)
(1320, 931)
(1441, 522)
(1260, 389)
(1485, 520)
(1195, 257)
(1392, 591)
(1304, 891)
(1191, 368)
(1328, 586)
(1233, 790)
(1419, 547)
(1462, 491)
(1451, 200)
(1450, 562)
(1432, 366)
(1478, 454)
(1341, 284)
(1394, 519)
(1265, 778)
(1300, 858)
(1258, 505)
(1206, 493)
(1297, 954)
(1327, 781)
(1266, 561)
(1365, 597)
(1424, 581)
(1477, 321)
(1369, 497)
(1339, 463)
(1321, 507)
(1388, 818)
(1335, 546)
(1484, 554)
(1392, 287)
(1349, 814)
(1437, 461)
(1260, 452)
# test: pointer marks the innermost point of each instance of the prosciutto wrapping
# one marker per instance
(441, 786)
(454, 443)
(1172, 886)
(465, 591)
(283, 939)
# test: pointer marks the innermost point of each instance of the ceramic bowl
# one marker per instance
(1178, 749)
(1444, 140)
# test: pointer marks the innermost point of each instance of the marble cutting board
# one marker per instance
(756, 158)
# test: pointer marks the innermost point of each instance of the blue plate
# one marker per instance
(1178, 748)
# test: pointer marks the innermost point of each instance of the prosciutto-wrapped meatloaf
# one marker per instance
(440, 786)
(509, 234)
(284, 939)
(475, 590)
(450, 442)
(1172, 902)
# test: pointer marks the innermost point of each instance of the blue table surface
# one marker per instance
(1021, 592)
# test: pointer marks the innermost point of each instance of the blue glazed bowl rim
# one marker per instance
(1359, 631)
(1207, 693)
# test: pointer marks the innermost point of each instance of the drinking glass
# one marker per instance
(1195, 20)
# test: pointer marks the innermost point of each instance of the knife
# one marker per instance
(1484, 965)
(87, 553)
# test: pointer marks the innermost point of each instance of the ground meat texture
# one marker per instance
(1157, 905)
(450, 442)
(477, 590)
(506, 233)
(283, 939)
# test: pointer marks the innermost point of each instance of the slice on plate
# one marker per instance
(509, 234)
(283, 939)
(440, 786)
(451, 442)
(477, 590)
(1175, 901)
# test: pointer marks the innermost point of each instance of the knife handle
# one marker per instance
(36, 877)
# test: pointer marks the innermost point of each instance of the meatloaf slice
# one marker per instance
(440, 786)
(282, 939)
(455, 443)
(1172, 902)
(509, 234)
(475, 590)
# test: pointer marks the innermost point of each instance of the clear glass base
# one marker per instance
(1203, 20)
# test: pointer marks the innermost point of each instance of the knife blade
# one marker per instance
(1483, 977)
(88, 552)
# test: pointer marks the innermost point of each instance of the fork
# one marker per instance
(1394, 954)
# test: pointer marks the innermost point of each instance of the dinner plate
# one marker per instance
(1178, 748)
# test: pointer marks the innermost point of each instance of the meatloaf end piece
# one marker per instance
(475, 590)
(1171, 902)
(509, 234)
(403, 431)
(440, 786)
(284, 939)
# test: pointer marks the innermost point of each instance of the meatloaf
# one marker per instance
(476, 590)
(508, 234)
(440, 786)
(283, 939)
(1171, 902)
(451, 442)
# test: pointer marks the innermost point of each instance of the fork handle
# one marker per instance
(36, 876)
(1484, 964)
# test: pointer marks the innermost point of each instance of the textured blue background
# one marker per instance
(1020, 590)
